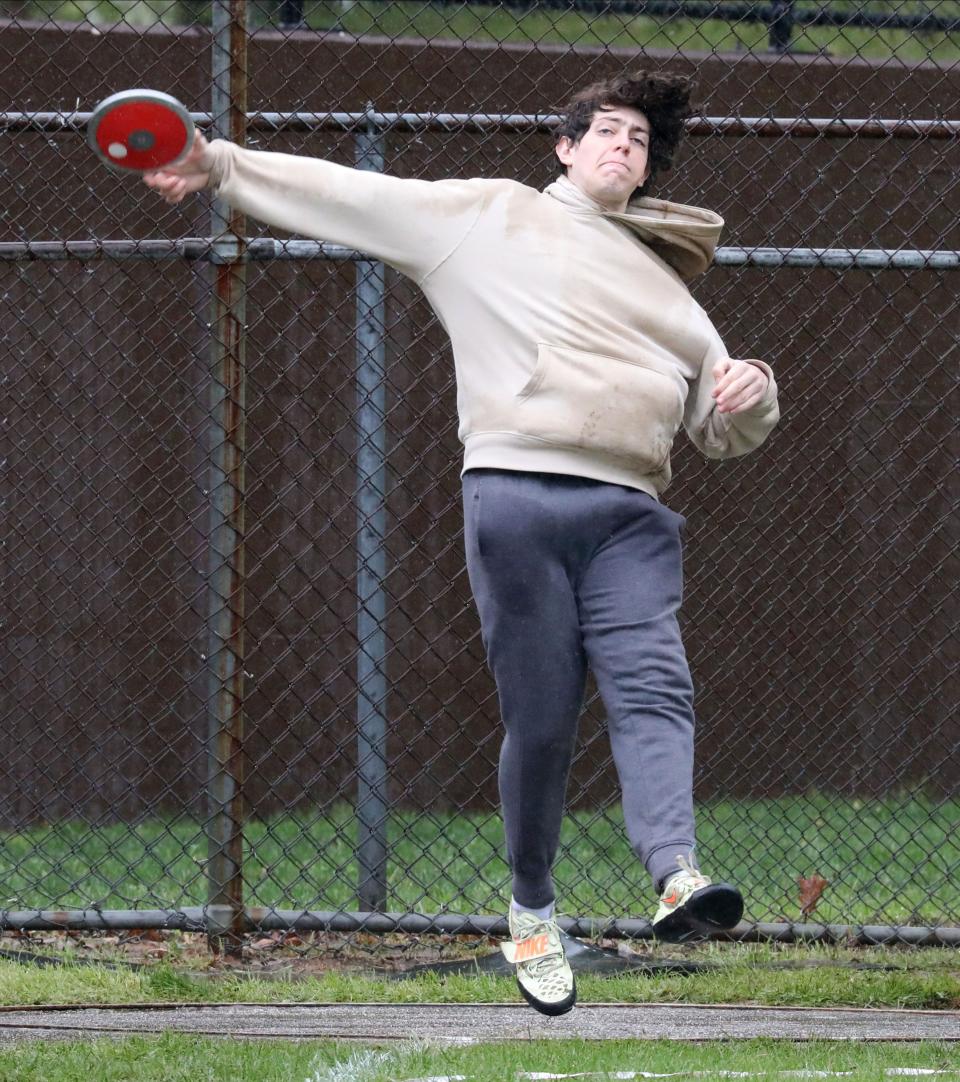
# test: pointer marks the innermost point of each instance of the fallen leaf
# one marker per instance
(810, 891)
(151, 935)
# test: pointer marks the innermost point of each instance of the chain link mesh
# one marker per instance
(821, 611)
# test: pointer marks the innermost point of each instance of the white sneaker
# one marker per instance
(692, 906)
(543, 972)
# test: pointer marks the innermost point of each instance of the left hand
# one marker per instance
(739, 385)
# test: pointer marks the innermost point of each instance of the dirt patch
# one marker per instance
(263, 955)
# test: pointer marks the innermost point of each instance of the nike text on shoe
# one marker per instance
(692, 906)
(543, 972)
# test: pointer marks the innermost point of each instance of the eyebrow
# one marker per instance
(620, 120)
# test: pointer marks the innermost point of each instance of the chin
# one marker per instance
(613, 193)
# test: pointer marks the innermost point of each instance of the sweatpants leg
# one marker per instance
(531, 631)
(629, 595)
(562, 569)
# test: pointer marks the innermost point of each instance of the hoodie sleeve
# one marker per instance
(727, 435)
(412, 225)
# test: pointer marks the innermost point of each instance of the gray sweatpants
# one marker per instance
(569, 573)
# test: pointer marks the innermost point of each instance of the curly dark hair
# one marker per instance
(664, 99)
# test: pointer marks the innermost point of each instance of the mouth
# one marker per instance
(618, 165)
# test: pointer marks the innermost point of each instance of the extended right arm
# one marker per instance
(410, 224)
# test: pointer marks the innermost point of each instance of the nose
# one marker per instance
(622, 142)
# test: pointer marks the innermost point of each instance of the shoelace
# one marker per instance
(688, 867)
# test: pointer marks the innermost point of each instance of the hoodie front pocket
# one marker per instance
(604, 404)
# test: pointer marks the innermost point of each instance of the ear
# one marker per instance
(564, 150)
(646, 176)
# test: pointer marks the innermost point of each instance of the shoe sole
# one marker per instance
(715, 908)
(551, 1009)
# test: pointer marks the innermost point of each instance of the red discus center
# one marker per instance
(142, 135)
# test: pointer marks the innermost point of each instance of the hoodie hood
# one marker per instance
(684, 237)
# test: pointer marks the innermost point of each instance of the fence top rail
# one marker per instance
(763, 126)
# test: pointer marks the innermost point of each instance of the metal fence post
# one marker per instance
(371, 560)
(781, 25)
(225, 610)
(290, 14)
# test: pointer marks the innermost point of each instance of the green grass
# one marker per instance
(757, 974)
(171, 1058)
(495, 23)
(893, 861)
(174, 1058)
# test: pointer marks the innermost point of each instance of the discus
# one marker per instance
(136, 131)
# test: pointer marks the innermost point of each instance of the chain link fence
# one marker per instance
(243, 682)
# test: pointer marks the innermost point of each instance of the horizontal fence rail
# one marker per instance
(199, 919)
(300, 121)
(266, 249)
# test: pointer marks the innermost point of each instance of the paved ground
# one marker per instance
(387, 1022)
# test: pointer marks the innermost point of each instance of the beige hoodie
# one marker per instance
(578, 348)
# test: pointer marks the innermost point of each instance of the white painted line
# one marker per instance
(544, 1076)
(371, 1063)
(442, 1078)
(359, 1067)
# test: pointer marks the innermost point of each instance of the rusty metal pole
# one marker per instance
(225, 584)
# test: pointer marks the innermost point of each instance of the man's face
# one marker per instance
(610, 160)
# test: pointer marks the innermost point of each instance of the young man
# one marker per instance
(579, 352)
